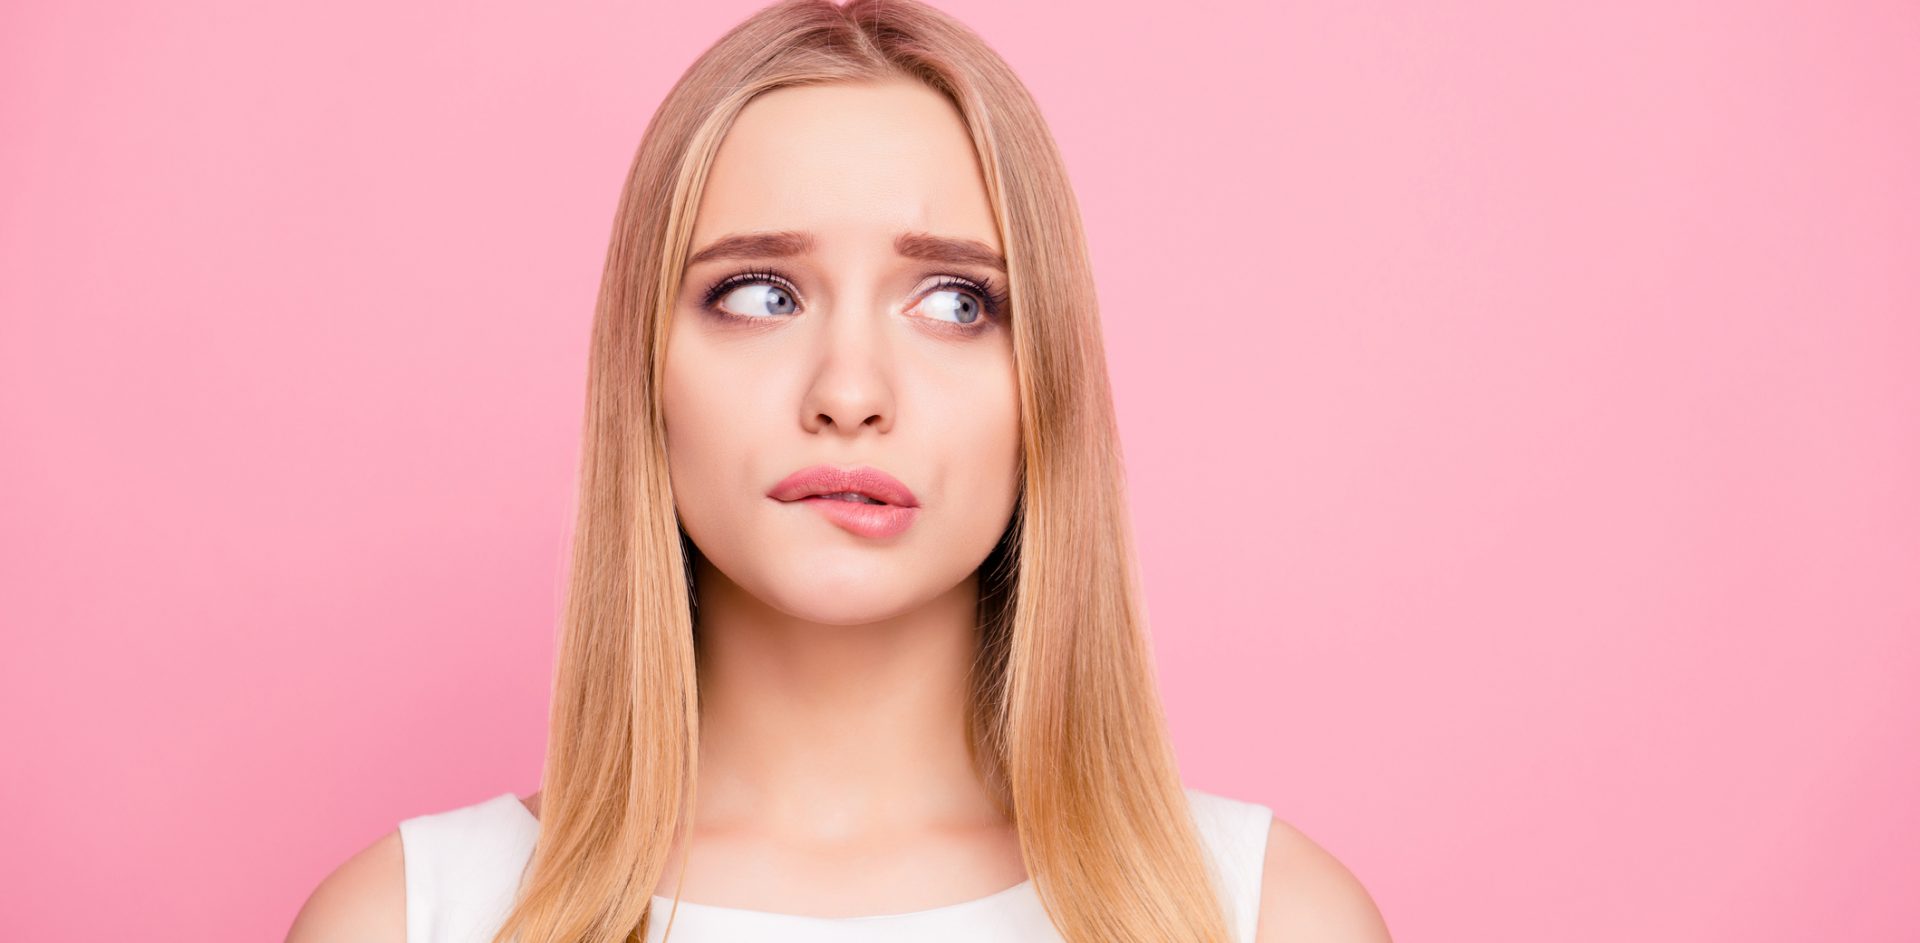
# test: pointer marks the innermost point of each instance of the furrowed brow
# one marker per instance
(920, 245)
(913, 245)
(754, 245)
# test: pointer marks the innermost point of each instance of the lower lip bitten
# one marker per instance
(866, 520)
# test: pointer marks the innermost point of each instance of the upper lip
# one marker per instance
(832, 479)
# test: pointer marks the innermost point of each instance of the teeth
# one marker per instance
(850, 496)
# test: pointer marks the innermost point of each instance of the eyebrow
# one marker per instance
(912, 245)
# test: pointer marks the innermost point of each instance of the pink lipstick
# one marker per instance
(862, 500)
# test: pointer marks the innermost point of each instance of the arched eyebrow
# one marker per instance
(913, 245)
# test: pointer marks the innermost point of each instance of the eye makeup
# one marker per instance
(720, 288)
(994, 299)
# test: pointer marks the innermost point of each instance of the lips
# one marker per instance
(863, 501)
(863, 480)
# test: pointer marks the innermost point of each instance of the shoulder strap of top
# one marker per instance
(1235, 834)
(463, 868)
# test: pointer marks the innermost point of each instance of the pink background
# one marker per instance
(1521, 405)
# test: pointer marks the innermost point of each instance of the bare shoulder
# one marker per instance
(364, 900)
(1308, 896)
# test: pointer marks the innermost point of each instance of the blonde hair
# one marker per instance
(1065, 723)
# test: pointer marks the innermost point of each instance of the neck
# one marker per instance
(825, 731)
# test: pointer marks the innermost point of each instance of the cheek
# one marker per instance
(707, 431)
(984, 426)
(686, 409)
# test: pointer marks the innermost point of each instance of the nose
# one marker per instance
(851, 388)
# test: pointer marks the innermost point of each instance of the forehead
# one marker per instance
(853, 163)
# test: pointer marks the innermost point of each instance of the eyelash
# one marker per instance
(993, 299)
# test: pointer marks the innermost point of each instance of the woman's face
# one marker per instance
(860, 324)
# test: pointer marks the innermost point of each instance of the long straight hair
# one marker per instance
(1064, 722)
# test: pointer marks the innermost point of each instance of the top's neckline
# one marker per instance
(1021, 889)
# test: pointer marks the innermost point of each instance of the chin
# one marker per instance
(842, 595)
(827, 579)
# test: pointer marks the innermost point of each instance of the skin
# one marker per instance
(833, 666)
(834, 777)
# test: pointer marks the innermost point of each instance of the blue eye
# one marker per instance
(965, 300)
(768, 295)
(962, 305)
(755, 298)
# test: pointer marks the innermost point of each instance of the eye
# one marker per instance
(757, 298)
(947, 303)
(960, 301)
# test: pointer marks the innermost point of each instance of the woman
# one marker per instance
(852, 547)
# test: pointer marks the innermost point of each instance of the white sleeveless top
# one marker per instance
(464, 865)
